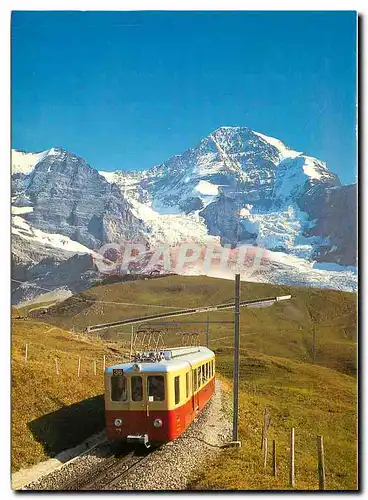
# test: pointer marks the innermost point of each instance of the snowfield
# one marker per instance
(281, 268)
(23, 229)
(171, 228)
(24, 163)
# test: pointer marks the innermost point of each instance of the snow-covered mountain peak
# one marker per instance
(23, 162)
(285, 151)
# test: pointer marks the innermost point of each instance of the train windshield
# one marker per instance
(119, 388)
(156, 387)
(137, 388)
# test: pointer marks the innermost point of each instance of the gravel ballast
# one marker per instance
(172, 467)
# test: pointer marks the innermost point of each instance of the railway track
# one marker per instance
(107, 474)
(182, 312)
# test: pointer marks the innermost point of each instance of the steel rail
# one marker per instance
(90, 477)
(124, 473)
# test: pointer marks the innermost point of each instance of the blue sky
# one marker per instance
(127, 90)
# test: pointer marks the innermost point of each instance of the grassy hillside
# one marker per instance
(312, 399)
(285, 329)
(54, 412)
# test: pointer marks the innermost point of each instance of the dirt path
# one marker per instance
(23, 477)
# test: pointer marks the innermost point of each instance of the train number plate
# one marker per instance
(117, 371)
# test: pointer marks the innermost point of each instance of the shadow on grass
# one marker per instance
(70, 425)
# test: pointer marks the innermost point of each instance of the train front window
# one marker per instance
(119, 388)
(137, 388)
(156, 387)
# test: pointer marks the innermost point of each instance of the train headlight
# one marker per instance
(157, 422)
(118, 422)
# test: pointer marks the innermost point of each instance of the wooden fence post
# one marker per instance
(104, 363)
(95, 367)
(266, 424)
(274, 460)
(26, 355)
(292, 462)
(321, 462)
(57, 366)
(265, 451)
(79, 366)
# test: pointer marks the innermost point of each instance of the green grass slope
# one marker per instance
(314, 400)
(50, 412)
(298, 358)
(285, 329)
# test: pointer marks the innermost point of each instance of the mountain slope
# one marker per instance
(53, 413)
(240, 183)
(71, 198)
(63, 210)
(236, 188)
(279, 368)
(285, 329)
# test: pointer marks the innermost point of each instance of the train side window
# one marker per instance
(177, 389)
(211, 369)
(199, 371)
(195, 380)
(137, 388)
(119, 388)
(187, 384)
(156, 387)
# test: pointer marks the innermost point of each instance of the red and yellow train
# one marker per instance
(153, 399)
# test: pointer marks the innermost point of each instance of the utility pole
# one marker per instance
(131, 344)
(235, 441)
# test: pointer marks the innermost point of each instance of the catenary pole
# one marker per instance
(236, 360)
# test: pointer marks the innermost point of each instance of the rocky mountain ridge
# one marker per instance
(236, 187)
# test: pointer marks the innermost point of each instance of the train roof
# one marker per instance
(174, 359)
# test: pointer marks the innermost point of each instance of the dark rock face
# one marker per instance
(191, 204)
(18, 183)
(76, 273)
(71, 198)
(222, 219)
(334, 215)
